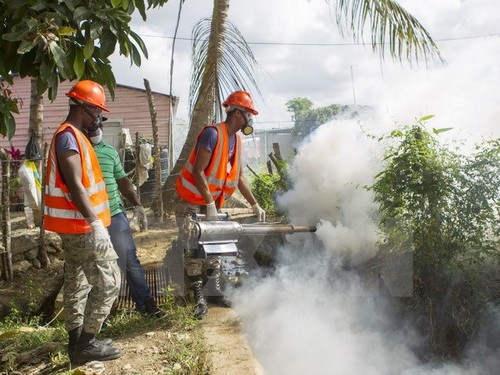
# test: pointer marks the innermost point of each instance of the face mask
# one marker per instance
(247, 129)
(95, 136)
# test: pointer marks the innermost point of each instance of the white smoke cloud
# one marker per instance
(313, 318)
(315, 315)
(329, 174)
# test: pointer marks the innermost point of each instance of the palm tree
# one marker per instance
(223, 62)
(390, 26)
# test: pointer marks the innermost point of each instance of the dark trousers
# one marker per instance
(130, 266)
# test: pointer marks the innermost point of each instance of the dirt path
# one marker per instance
(144, 353)
(228, 349)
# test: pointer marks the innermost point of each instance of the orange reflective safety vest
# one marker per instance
(222, 178)
(60, 213)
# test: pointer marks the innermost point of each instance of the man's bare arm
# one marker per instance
(200, 181)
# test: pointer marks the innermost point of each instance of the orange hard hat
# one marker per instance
(90, 92)
(241, 99)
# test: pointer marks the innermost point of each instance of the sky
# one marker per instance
(462, 92)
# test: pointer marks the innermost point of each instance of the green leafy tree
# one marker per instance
(307, 119)
(59, 40)
(8, 106)
(443, 207)
(444, 203)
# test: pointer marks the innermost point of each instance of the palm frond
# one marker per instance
(227, 64)
(390, 25)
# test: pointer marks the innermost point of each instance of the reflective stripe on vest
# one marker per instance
(221, 183)
(60, 213)
(72, 214)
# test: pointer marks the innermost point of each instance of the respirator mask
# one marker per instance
(95, 136)
(95, 130)
(247, 129)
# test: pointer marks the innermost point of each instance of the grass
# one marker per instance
(28, 347)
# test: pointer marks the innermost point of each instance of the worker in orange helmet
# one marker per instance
(77, 208)
(210, 176)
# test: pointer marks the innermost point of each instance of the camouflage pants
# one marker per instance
(193, 266)
(91, 282)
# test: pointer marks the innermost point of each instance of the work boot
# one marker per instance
(74, 336)
(214, 289)
(89, 349)
(201, 308)
(152, 310)
(105, 341)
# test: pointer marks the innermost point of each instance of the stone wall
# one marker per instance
(25, 245)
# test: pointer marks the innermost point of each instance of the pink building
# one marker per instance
(129, 110)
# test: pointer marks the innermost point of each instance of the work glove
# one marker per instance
(140, 216)
(259, 212)
(100, 236)
(211, 211)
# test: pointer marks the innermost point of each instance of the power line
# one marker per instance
(482, 36)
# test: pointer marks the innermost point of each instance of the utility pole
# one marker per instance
(171, 132)
(353, 90)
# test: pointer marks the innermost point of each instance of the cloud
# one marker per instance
(461, 93)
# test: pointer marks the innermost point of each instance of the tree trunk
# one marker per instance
(203, 110)
(6, 230)
(42, 245)
(36, 114)
(157, 153)
(36, 117)
(36, 129)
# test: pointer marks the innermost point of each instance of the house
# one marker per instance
(129, 110)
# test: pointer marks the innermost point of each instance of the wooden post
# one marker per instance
(269, 167)
(6, 229)
(251, 170)
(122, 148)
(157, 153)
(277, 152)
(42, 250)
(137, 162)
(278, 166)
